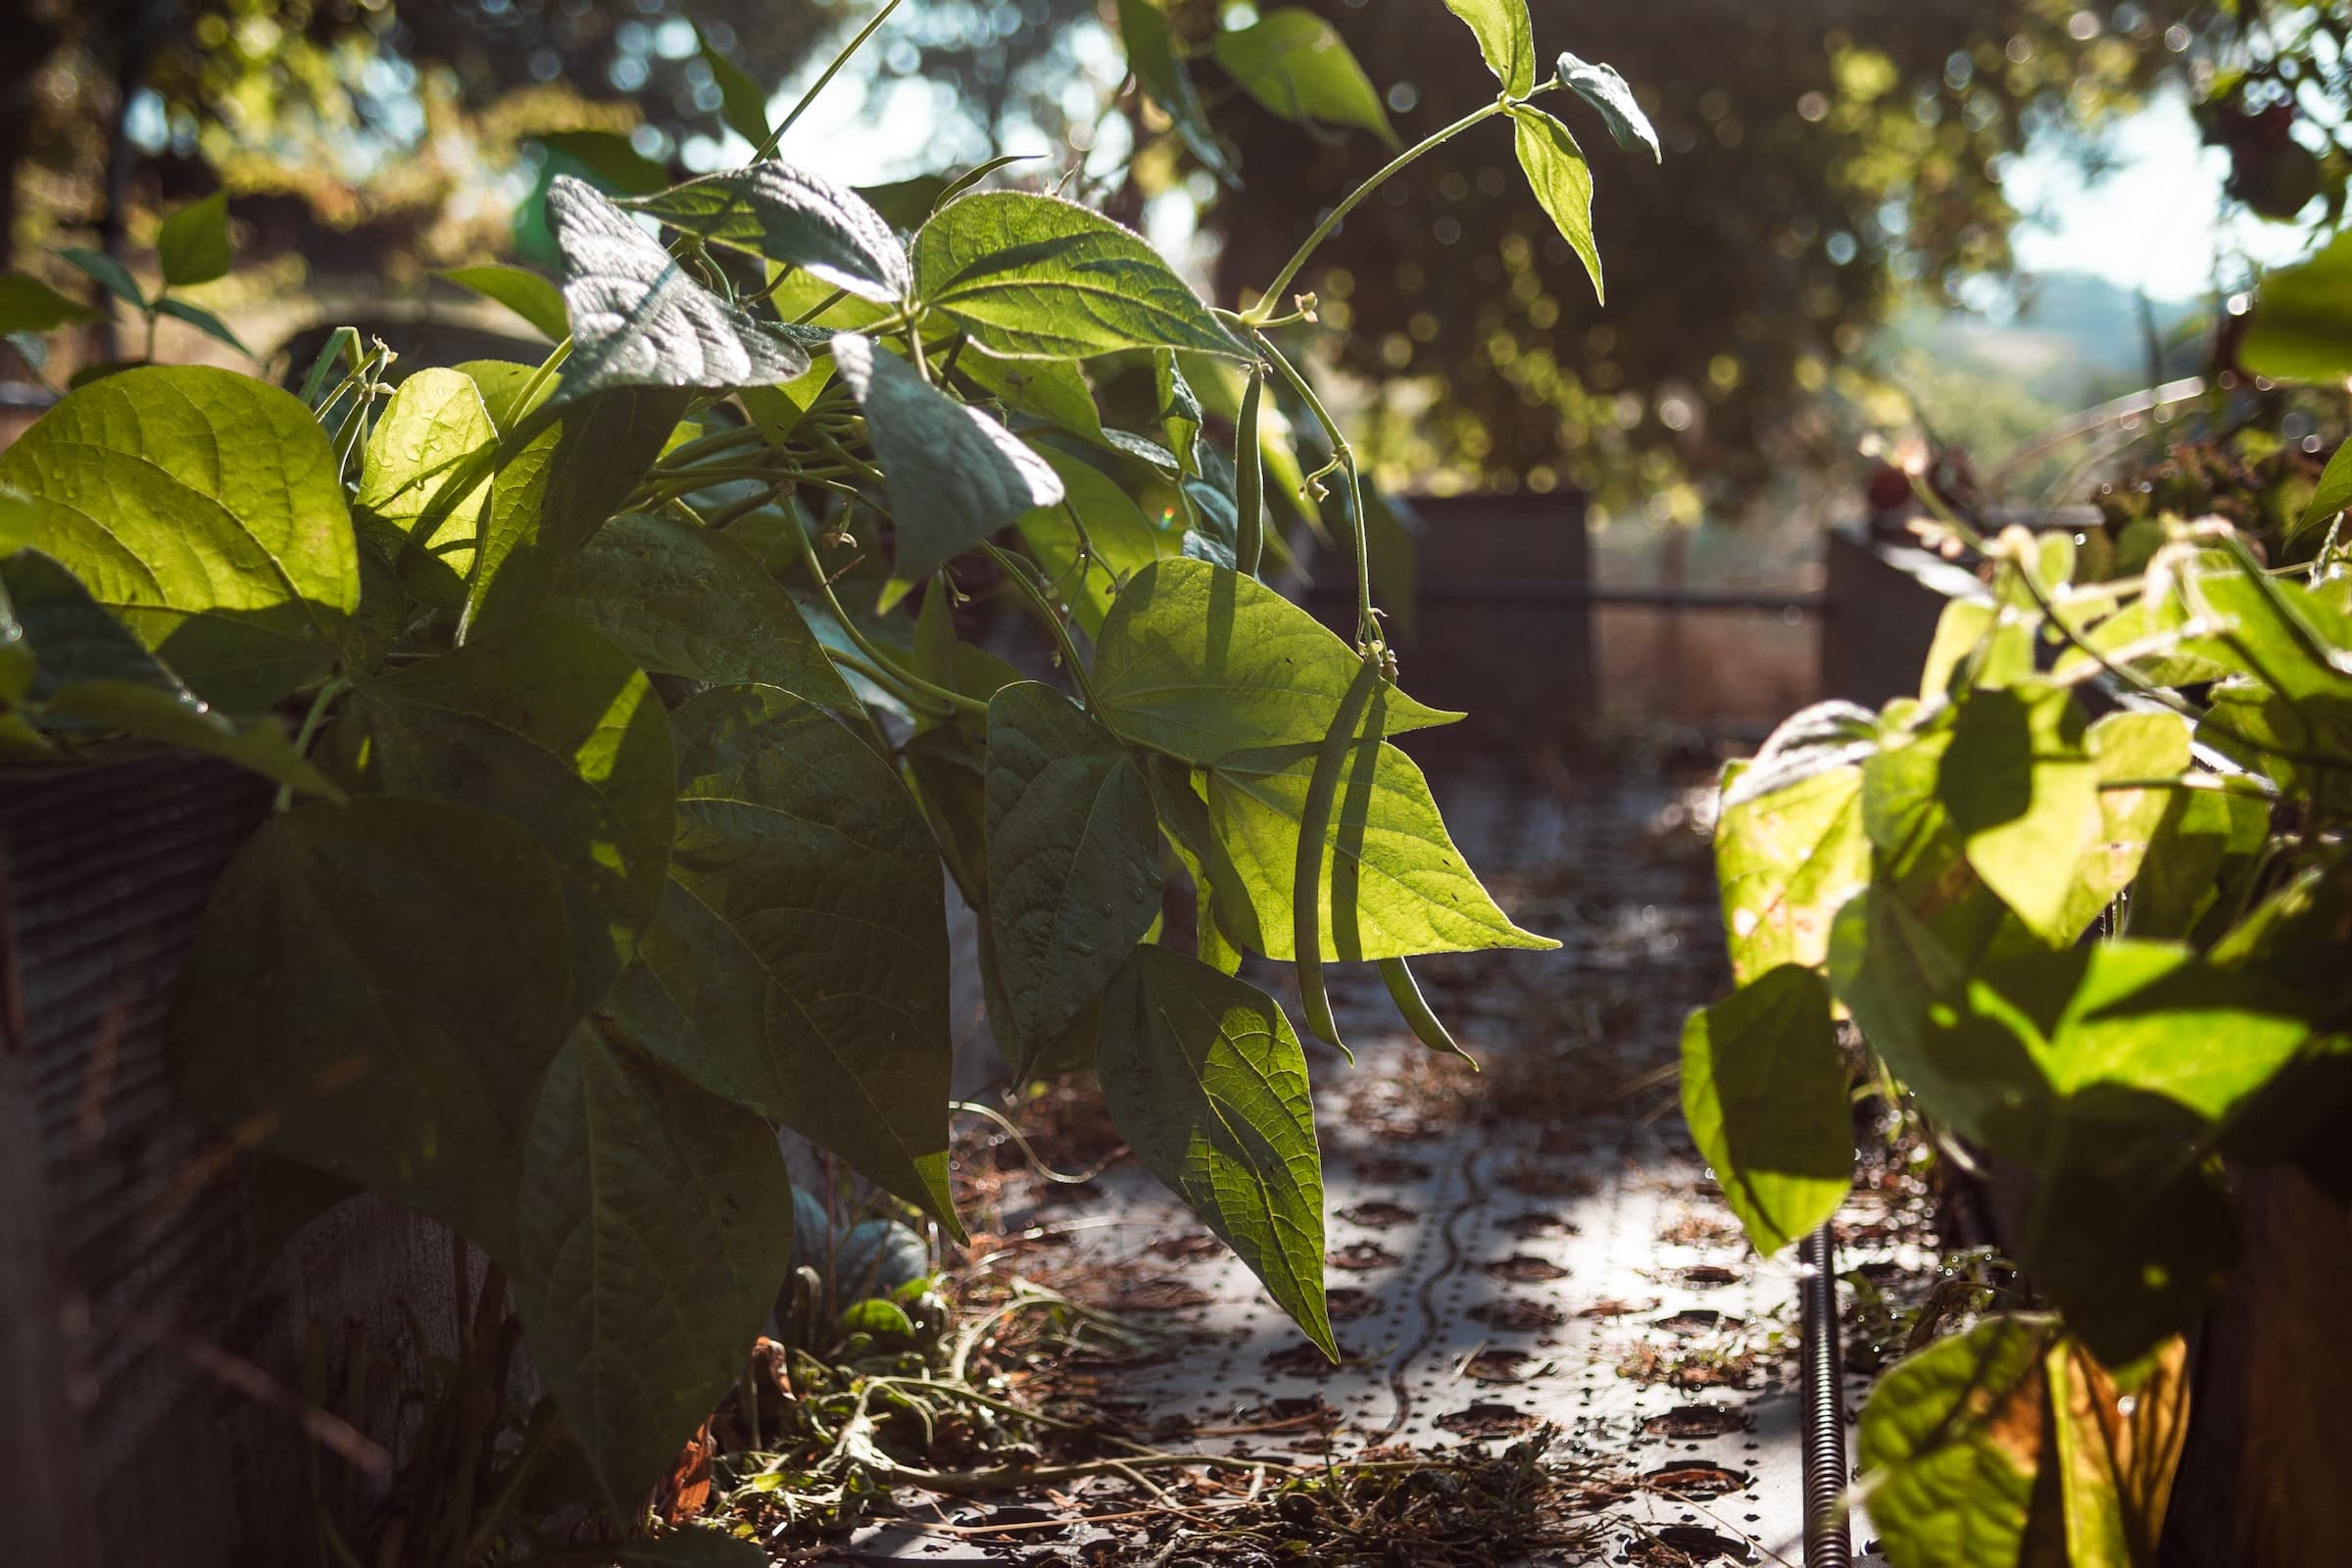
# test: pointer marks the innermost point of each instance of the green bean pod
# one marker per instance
(1249, 481)
(1315, 821)
(1405, 992)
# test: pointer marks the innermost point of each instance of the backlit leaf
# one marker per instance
(2023, 792)
(192, 245)
(1293, 61)
(1786, 863)
(432, 427)
(655, 1227)
(1506, 37)
(1205, 1079)
(28, 304)
(1764, 1091)
(528, 295)
(203, 508)
(1557, 171)
(742, 101)
(1038, 278)
(800, 963)
(1122, 538)
(1201, 663)
(2301, 330)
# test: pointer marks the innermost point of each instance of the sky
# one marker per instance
(2143, 226)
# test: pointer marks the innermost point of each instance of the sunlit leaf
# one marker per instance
(795, 218)
(1506, 37)
(1557, 171)
(192, 245)
(1294, 61)
(1764, 1093)
(528, 295)
(2023, 792)
(430, 429)
(2301, 329)
(1122, 539)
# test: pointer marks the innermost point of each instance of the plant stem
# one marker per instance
(1014, 567)
(1257, 315)
(1367, 626)
(886, 667)
(326, 693)
(776, 137)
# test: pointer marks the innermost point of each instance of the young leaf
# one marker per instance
(2333, 494)
(1038, 278)
(792, 217)
(684, 600)
(742, 101)
(1764, 1095)
(956, 474)
(28, 304)
(1557, 171)
(192, 246)
(1601, 86)
(2023, 792)
(1160, 71)
(433, 425)
(205, 322)
(107, 272)
(1201, 663)
(396, 1038)
(202, 508)
(1506, 37)
(655, 1225)
(553, 726)
(1052, 390)
(1073, 855)
(1293, 61)
(1786, 862)
(800, 963)
(1205, 1081)
(1393, 885)
(1950, 1443)
(610, 159)
(637, 319)
(528, 295)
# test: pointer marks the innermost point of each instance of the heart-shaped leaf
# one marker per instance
(202, 508)
(432, 428)
(791, 215)
(1073, 855)
(1205, 1079)
(637, 319)
(398, 1038)
(956, 474)
(1038, 278)
(553, 726)
(654, 1226)
(800, 963)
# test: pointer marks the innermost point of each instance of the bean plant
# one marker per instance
(2087, 898)
(629, 742)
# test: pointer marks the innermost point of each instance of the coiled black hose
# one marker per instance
(1828, 1541)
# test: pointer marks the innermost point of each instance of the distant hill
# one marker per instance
(2074, 340)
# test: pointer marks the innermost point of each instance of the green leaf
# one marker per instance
(2301, 329)
(2127, 747)
(1950, 1442)
(800, 963)
(28, 304)
(151, 715)
(2023, 792)
(1293, 61)
(1052, 390)
(879, 1317)
(1393, 884)
(1784, 863)
(1601, 86)
(434, 426)
(956, 474)
(609, 158)
(1205, 1081)
(2115, 1455)
(1201, 663)
(1038, 278)
(1123, 540)
(203, 508)
(1975, 636)
(2179, 872)
(528, 295)
(1506, 37)
(2333, 494)
(203, 322)
(192, 247)
(1563, 181)
(1764, 1091)
(637, 319)
(551, 725)
(553, 495)
(1161, 71)
(107, 272)
(795, 218)
(684, 600)
(1073, 855)
(377, 990)
(742, 101)
(655, 1227)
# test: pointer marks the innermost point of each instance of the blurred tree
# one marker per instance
(1823, 156)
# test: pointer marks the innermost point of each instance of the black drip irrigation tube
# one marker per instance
(1828, 1541)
